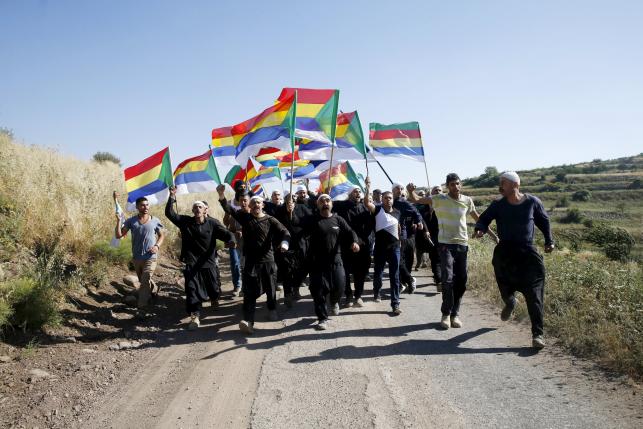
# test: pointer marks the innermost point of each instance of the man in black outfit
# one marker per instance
(262, 232)
(327, 232)
(410, 221)
(516, 262)
(198, 251)
(293, 263)
(359, 218)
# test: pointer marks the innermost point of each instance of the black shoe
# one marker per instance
(506, 312)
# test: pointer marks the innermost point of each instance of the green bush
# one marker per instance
(636, 184)
(615, 242)
(562, 202)
(120, 255)
(573, 216)
(106, 157)
(582, 195)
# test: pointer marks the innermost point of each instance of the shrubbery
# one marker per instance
(573, 216)
(615, 242)
(582, 195)
(106, 157)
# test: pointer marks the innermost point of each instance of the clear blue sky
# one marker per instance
(512, 84)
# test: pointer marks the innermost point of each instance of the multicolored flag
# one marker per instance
(273, 157)
(342, 181)
(266, 175)
(316, 119)
(397, 140)
(349, 140)
(310, 171)
(150, 178)
(197, 174)
(270, 128)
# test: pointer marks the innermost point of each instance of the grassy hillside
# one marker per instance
(609, 192)
(594, 285)
(56, 221)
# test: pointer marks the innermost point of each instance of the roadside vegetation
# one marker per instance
(594, 287)
(56, 223)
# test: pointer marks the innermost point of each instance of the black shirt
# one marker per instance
(261, 234)
(358, 217)
(199, 241)
(326, 235)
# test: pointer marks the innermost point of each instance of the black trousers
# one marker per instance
(434, 256)
(293, 269)
(521, 269)
(200, 285)
(453, 258)
(326, 279)
(407, 252)
(258, 279)
(358, 265)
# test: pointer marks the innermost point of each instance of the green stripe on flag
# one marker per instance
(374, 126)
(166, 175)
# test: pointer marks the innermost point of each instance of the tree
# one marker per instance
(106, 157)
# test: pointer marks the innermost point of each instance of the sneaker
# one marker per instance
(445, 322)
(194, 322)
(280, 288)
(322, 325)
(378, 298)
(334, 309)
(236, 291)
(296, 295)
(456, 322)
(396, 310)
(246, 327)
(288, 300)
(424, 265)
(538, 342)
(273, 316)
(506, 312)
(359, 303)
(402, 287)
(348, 303)
(413, 285)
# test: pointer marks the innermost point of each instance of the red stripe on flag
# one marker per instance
(145, 165)
(201, 157)
(395, 134)
(219, 133)
(345, 118)
(307, 96)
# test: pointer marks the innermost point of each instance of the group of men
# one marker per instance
(334, 242)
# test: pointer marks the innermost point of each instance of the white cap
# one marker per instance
(300, 188)
(397, 185)
(199, 203)
(257, 198)
(512, 176)
(324, 196)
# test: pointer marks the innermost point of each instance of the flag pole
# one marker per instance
(332, 141)
(426, 170)
(378, 163)
(293, 125)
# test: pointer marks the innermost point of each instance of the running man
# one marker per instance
(327, 233)
(452, 210)
(199, 235)
(261, 233)
(516, 262)
(147, 238)
(387, 248)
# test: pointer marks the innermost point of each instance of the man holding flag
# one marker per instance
(199, 235)
(147, 238)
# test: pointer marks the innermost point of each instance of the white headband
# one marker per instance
(324, 196)
(257, 198)
(198, 203)
(300, 188)
(512, 176)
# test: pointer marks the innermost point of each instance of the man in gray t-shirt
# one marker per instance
(147, 237)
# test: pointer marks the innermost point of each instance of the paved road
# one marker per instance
(369, 369)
